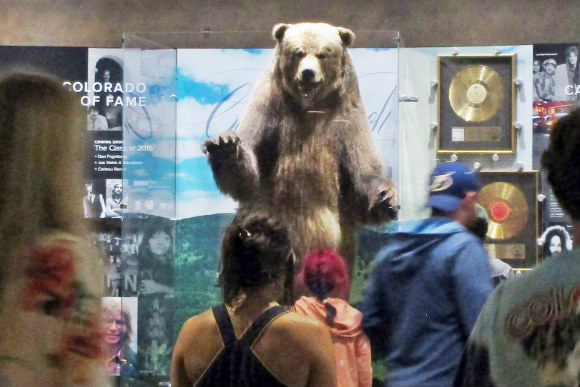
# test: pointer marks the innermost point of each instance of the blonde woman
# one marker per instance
(50, 279)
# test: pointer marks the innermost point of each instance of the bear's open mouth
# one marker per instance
(308, 89)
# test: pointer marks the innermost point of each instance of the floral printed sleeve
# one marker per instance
(50, 315)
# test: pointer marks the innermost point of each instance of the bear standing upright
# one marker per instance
(303, 149)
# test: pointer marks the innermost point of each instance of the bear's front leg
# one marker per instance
(234, 167)
(383, 202)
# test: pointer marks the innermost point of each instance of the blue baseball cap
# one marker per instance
(449, 183)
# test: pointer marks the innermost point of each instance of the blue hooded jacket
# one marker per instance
(424, 295)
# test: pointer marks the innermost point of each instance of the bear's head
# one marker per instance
(311, 60)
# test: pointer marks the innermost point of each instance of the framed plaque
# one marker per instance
(510, 200)
(476, 104)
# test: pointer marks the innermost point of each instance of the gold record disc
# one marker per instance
(476, 93)
(506, 207)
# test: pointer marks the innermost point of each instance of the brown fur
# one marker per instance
(309, 160)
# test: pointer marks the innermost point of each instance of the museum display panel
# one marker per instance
(159, 214)
(192, 88)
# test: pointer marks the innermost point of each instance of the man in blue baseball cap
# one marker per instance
(428, 285)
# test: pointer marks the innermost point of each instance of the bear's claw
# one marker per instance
(225, 142)
(385, 200)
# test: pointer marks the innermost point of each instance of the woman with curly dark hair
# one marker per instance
(251, 340)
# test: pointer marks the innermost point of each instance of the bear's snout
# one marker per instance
(309, 71)
(308, 75)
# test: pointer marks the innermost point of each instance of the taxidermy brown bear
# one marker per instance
(303, 149)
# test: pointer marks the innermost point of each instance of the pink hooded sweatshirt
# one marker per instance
(351, 346)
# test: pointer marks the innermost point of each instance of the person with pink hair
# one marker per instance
(325, 274)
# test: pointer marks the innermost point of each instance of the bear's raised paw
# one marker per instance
(384, 203)
(221, 147)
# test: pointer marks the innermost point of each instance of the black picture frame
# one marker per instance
(513, 239)
(477, 99)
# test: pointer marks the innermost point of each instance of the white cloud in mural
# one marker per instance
(208, 64)
(199, 203)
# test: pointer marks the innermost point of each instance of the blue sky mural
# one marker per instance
(214, 87)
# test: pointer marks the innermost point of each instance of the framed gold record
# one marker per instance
(510, 201)
(476, 104)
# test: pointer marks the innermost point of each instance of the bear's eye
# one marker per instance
(299, 54)
(322, 55)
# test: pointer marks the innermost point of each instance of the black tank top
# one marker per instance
(236, 365)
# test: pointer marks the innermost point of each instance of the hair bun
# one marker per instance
(255, 252)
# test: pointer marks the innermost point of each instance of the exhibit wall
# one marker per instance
(159, 217)
(157, 214)
(527, 88)
(419, 79)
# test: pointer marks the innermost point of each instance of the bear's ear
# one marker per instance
(278, 31)
(346, 35)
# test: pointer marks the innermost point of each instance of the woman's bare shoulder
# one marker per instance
(197, 344)
(197, 325)
(310, 358)
(297, 325)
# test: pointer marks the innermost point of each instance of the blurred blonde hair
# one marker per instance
(41, 154)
